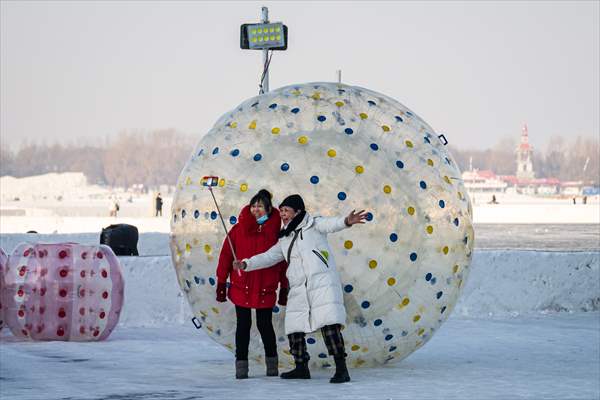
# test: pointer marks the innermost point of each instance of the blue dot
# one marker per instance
(215, 150)
(456, 221)
(275, 309)
(321, 118)
(188, 283)
(254, 105)
(377, 322)
(197, 280)
(439, 294)
(389, 337)
(374, 146)
(232, 220)
(342, 196)
(393, 237)
(448, 161)
(322, 355)
(409, 113)
(183, 213)
(257, 157)
(426, 139)
(273, 106)
(348, 288)
(365, 304)
(311, 340)
(399, 164)
(235, 152)
(295, 110)
(423, 185)
(348, 131)
(285, 166)
(442, 203)
(428, 276)
(213, 215)
(211, 280)
(372, 103)
(200, 152)
(413, 256)
(404, 333)
(392, 348)
(369, 217)
(196, 214)
(433, 280)
(399, 119)
(314, 179)
(442, 310)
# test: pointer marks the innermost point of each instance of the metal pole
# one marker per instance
(224, 227)
(265, 52)
(339, 75)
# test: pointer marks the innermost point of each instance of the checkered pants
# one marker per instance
(332, 335)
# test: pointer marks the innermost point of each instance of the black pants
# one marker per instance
(332, 335)
(264, 325)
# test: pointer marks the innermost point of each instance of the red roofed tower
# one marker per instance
(524, 157)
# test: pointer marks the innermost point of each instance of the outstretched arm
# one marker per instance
(336, 224)
(260, 261)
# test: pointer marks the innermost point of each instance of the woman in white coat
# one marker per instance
(315, 299)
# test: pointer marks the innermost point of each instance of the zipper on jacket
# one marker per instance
(321, 258)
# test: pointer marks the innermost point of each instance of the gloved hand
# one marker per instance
(283, 294)
(221, 292)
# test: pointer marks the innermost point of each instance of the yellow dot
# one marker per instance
(430, 162)
(207, 248)
(316, 96)
(416, 318)
(411, 210)
(363, 116)
(455, 268)
(302, 139)
(244, 187)
(188, 247)
(445, 249)
(359, 169)
(188, 181)
(252, 125)
(421, 331)
(372, 264)
(286, 351)
(405, 301)
(460, 195)
(221, 182)
(296, 92)
(447, 180)
(387, 189)
(408, 143)
(339, 103)
(215, 310)
(275, 131)
(391, 281)
(331, 153)
(233, 124)
(355, 347)
(385, 128)
(429, 229)
(348, 244)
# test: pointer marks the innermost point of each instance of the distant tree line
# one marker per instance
(577, 159)
(151, 158)
(157, 157)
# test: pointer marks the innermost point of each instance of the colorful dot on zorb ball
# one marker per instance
(342, 148)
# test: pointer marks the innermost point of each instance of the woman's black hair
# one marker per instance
(264, 196)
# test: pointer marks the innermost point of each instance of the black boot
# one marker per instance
(300, 372)
(341, 371)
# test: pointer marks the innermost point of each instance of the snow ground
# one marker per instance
(543, 357)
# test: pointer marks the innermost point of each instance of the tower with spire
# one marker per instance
(524, 157)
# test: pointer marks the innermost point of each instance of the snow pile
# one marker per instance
(502, 283)
(68, 184)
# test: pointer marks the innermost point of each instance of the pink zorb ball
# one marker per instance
(63, 291)
(3, 261)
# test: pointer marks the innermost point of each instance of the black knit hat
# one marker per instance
(294, 201)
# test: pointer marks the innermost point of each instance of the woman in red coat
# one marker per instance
(255, 232)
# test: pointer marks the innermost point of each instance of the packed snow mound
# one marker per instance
(67, 185)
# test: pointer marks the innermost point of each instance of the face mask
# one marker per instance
(262, 219)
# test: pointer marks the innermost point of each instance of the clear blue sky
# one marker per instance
(76, 71)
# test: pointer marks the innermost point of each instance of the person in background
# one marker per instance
(158, 203)
(255, 231)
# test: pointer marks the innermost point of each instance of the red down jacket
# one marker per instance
(256, 289)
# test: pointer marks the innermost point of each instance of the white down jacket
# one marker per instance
(315, 298)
